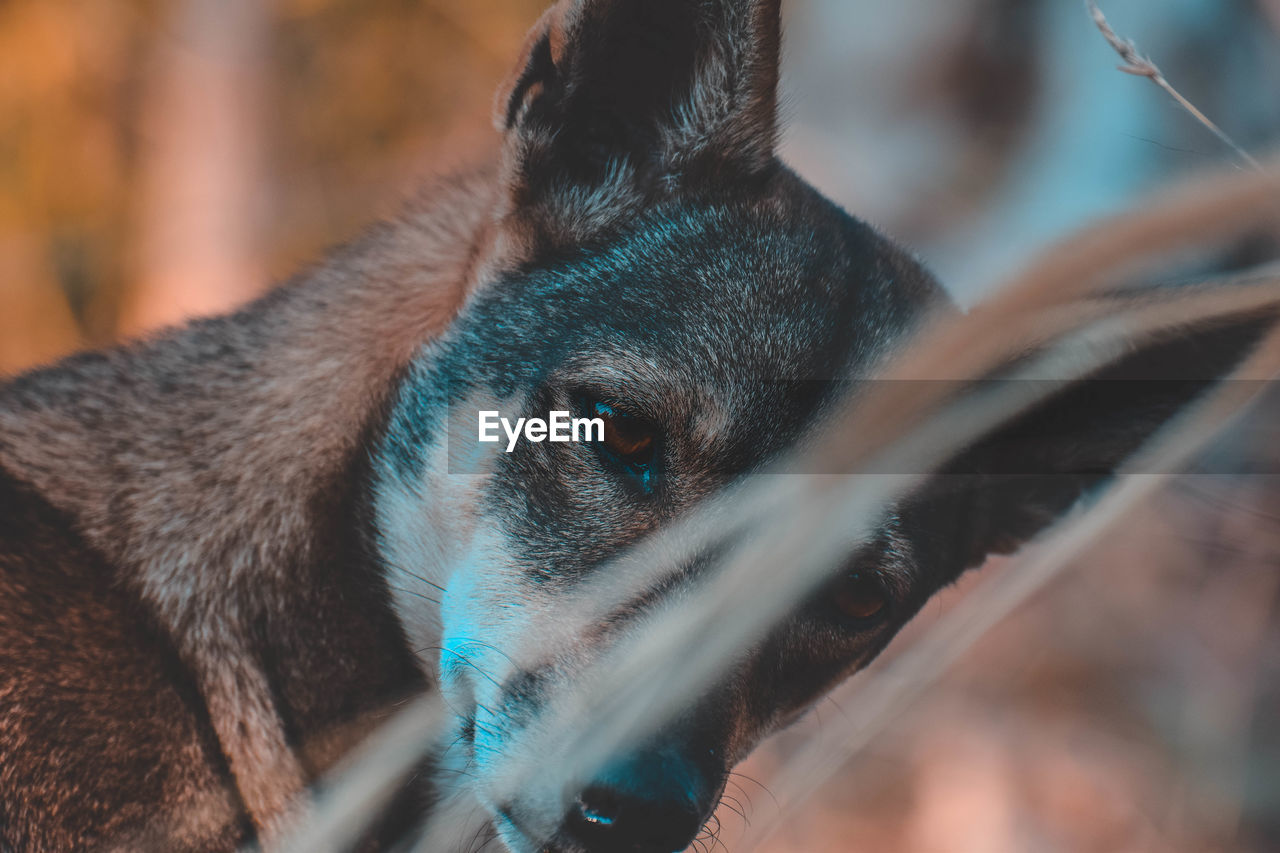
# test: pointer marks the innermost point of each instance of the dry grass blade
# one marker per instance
(368, 780)
(875, 703)
(1141, 66)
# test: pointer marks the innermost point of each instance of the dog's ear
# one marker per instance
(616, 101)
(1015, 482)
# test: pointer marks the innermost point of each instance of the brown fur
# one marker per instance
(86, 675)
(167, 461)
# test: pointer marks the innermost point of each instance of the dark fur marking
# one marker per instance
(97, 655)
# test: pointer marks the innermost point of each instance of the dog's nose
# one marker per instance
(612, 820)
(651, 804)
(608, 820)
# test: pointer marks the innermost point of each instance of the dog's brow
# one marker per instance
(615, 366)
(712, 420)
(629, 376)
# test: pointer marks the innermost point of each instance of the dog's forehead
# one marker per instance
(715, 308)
(769, 290)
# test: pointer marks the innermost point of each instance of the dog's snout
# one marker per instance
(652, 803)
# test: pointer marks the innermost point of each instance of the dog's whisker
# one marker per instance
(400, 568)
(413, 593)
(466, 641)
(464, 659)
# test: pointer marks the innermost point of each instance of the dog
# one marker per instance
(227, 553)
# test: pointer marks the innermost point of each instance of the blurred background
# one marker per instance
(161, 159)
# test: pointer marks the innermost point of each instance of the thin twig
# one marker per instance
(353, 795)
(1141, 66)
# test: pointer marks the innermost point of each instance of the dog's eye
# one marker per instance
(861, 598)
(630, 441)
(632, 438)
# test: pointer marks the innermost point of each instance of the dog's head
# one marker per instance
(653, 266)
